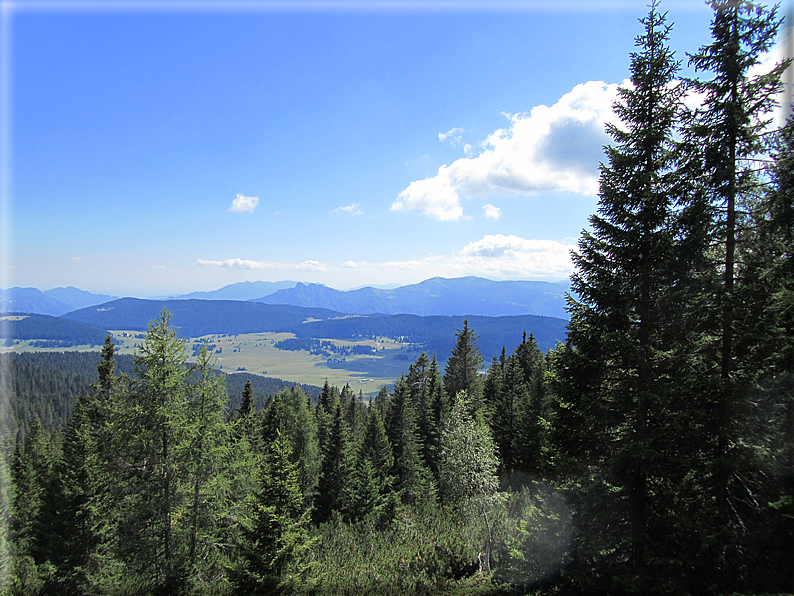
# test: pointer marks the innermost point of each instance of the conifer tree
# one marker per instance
(462, 372)
(205, 453)
(492, 385)
(413, 480)
(277, 538)
(150, 438)
(729, 131)
(767, 265)
(612, 379)
(372, 489)
(291, 414)
(437, 401)
(334, 489)
(30, 471)
(248, 401)
(74, 487)
(511, 403)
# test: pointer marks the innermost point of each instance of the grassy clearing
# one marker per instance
(256, 353)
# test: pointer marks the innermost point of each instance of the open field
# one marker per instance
(256, 353)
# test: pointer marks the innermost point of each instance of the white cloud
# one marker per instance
(504, 256)
(243, 264)
(556, 148)
(494, 256)
(782, 50)
(75, 259)
(454, 136)
(244, 204)
(491, 212)
(354, 209)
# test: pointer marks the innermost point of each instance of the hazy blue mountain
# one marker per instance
(245, 290)
(435, 296)
(77, 298)
(31, 300)
(53, 302)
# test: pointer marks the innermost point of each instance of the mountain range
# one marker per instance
(55, 302)
(244, 290)
(436, 296)
(197, 318)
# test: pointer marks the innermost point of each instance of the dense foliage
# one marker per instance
(51, 331)
(652, 452)
(47, 385)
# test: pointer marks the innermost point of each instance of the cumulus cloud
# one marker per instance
(491, 212)
(243, 264)
(350, 265)
(354, 209)
(496, 257)
(512, 256)
(551, 148)
(243, 204)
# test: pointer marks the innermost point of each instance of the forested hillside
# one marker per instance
(52, 332)
(195, 318)
(651, 453)
(47, 385)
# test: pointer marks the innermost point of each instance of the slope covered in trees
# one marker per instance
(47, 385)
(195, 318)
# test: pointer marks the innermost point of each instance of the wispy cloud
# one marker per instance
(556, 148)
(491, 212)
(493, 256)
(244, 204)
(243, 264)
(454, 136)
(354, 209)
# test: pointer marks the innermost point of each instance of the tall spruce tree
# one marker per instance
(372, 490)
(335, 485)
(151, 483)
(613, 389)
(462, 372)
(290, 413)
(413, 480)
(729, 131)
(205, 453)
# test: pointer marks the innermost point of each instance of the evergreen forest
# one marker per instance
(652, 452)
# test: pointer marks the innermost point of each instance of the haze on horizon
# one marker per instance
(169, 149)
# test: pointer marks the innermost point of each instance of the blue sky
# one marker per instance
(157, 148)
